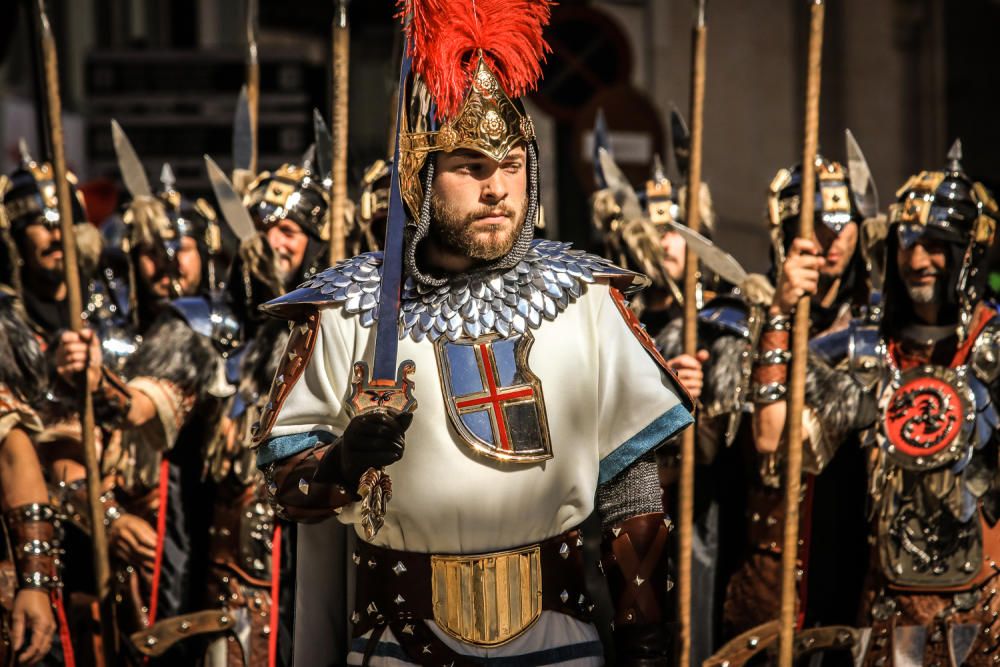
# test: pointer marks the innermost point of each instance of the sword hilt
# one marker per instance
(390, 397)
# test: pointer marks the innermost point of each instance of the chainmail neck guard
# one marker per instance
(421, 229)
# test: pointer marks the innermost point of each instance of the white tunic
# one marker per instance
(607, 403)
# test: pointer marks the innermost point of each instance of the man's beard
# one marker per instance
(286, 276)
(921, 294)
(452, 229)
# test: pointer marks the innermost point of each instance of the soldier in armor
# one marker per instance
(31, 568)
(930, 597)
(832, 554)
(489, 478)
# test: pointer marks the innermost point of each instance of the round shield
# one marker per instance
(928, 417)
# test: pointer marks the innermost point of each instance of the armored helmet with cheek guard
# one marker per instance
(290, 192)
(368, 232)
(28, 197)
(944, 207)
(157, 225)
(471, 63)
(835, 204)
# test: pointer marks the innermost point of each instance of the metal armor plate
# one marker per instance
(490, 599)
(921, 542)
(928, 417)
(494, 400)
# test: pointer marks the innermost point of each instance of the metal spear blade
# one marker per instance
(711, 255)
(619, 184)
(862, 183)
(133, 174)
(230, 203)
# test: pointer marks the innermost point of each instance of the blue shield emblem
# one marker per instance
(494, 400)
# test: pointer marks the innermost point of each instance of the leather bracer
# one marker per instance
(112, 400)
(294, 494)
(36, 540)
(634, 560)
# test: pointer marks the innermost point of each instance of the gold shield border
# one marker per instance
(521, 358)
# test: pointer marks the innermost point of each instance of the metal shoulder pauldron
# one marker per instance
(551, 276)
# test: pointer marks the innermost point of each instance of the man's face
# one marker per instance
(478, 205)
(289, 243)
(838, 249)
(156, 276)
(674, 254)
(922, 270)
(43, 250)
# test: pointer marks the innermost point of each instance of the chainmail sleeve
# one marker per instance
(634, 491)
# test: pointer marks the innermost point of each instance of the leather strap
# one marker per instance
(157, 639)
(36, 541)
(635, 564)
(388, 593)
(293, 493)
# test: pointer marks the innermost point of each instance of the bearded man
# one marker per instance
(514, 415)
(930, 596)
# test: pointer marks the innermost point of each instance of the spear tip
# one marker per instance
(699, 21)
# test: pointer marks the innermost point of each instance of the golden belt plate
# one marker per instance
(487, 599)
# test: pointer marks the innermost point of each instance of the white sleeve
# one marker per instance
(641, 403)
(314, 409)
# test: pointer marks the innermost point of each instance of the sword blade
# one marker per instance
(387, 332)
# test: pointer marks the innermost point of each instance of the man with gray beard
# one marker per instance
(930, 596)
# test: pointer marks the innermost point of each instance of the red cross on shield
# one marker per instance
(494, 401)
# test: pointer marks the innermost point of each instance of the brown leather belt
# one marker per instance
(395, 588)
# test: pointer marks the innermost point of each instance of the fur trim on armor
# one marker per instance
(174, 352)
(260, 363)
(840, 404)
(23, 367)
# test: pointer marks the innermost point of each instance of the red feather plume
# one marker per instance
(444, 36)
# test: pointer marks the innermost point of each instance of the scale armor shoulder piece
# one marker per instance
(550, 277)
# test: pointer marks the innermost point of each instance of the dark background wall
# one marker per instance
(906, 76)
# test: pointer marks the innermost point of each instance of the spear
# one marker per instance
(99, 540)
(699, 38)
(800, 346)
(253, 79)
(338, 122)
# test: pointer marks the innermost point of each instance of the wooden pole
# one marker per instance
(99, 540)
(693, 220)
(253, 79)
(338, 124)
(800, 349)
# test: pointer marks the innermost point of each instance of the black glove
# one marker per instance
(372, 440)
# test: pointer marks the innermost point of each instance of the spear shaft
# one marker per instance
(800, 347)
(338, 123)
(99, 541)
(253, 79)
(693, 219)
